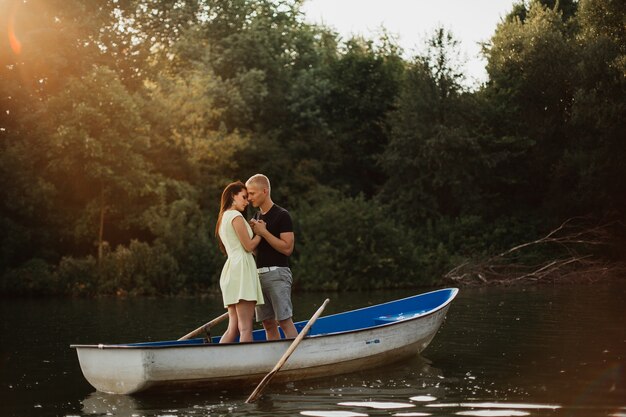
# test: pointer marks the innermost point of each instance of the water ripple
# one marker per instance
(423, 398)
(377, 405)
(319, 413)
(493, 413)
(497, 405)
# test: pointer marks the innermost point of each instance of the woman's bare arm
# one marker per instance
(249, 244)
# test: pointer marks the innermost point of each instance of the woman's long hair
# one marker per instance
(228, 196)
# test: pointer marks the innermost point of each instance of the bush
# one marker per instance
(187, 234)
(139, 269)
(346, 243)
(349, 243)
(34, 277)
(78, 276)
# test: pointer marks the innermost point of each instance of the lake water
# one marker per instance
(537, 351)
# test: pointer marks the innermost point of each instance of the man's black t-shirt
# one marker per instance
(278, 221)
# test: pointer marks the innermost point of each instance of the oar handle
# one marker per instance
(257, 391)
(204, 327)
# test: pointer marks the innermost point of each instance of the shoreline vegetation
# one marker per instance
(578, 258)
(578, 252)
(121, 122)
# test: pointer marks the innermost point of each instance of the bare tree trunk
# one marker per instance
(101, 231)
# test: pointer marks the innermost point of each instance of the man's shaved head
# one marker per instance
(259, 181)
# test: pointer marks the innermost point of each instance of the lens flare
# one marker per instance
(15, 43)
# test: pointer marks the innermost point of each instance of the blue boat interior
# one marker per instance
(377, 315)
(381, 313)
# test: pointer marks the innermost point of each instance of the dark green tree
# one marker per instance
(364, 84)
(433, 156)
(530, 90)
(96, 144)
(567, 8)
(592, 161)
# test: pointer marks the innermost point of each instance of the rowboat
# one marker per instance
(338, 343)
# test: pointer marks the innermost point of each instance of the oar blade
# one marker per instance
(257, 391)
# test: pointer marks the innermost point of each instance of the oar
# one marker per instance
(205, 327)
(257, 391)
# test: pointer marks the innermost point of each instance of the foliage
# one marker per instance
(33, 277)
(348, 243)
(564, 92)
(121, 122)
(185, 232)
(433, 158)
(95, 144)
(364, 82)
(139, 269)
(136, 269)
(598, 110)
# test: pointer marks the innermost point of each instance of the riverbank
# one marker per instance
(590, 271)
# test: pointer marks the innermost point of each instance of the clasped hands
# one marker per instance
(259, 227)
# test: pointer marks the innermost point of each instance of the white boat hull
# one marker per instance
(125, 369)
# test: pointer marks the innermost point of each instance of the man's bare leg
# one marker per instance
(288, 328)
(271, 329)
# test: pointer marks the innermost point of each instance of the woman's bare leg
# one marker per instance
(230, 335)
(245, 317)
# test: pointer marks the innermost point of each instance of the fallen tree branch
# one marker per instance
(573, 238)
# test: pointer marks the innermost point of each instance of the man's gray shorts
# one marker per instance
(276, 286)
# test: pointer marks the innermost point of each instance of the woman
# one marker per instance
(239, 282)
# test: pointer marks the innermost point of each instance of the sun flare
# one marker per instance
(16, 45)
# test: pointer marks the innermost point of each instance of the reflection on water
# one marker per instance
(493, 413)
(498, 405)
(423, 398)
(108, 404)
(378, 405)
(319, 413)
(544, 351)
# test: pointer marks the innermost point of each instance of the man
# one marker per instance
(272, 259)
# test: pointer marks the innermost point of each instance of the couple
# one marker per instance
(266, 283)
